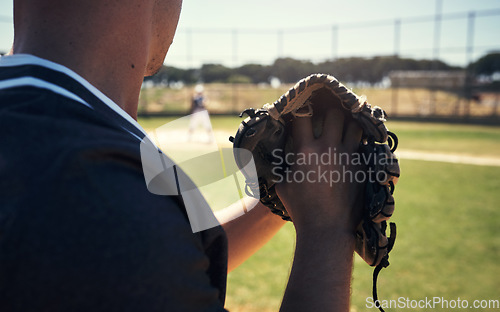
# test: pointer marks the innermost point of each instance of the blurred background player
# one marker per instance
(199, 115)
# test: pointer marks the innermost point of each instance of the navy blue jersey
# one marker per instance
(79, 230)
(198, 102)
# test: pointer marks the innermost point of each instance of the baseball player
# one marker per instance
(79, 230)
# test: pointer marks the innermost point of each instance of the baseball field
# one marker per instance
(447, 252)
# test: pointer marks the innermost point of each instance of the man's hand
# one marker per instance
(323, 204)
(325, 218)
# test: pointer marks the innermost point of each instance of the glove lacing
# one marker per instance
(383, 264)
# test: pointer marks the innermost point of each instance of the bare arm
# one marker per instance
(320, 279)
(249, 232)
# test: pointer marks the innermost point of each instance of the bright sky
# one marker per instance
(236, 32)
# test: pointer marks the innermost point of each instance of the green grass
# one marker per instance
(448, 244)
(227, 123)
(150, 123)
(448, 235)
(427, 137)
(450, 138)
(259, 283)
(448, 221)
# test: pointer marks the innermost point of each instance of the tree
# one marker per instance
(215, 73)
(487, 65)
(351, 69)
(169, 74)
(256, 72)
(290, 70)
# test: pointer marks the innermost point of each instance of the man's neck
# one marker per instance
(97, 54)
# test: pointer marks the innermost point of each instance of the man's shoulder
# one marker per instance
(34, 114)
(51, 145)
(52, 136)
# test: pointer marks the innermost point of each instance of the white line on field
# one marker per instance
(449, 158)
(221, 137)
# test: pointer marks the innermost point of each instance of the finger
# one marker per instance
(302, 132)
(352, 136)
(333, 126)
(281, 190)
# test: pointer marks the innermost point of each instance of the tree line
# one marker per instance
(288, 70)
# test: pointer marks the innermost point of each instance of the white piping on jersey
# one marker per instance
(38, 83)
(28, 59)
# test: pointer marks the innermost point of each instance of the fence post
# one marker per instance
(397, 36)
(189, 47)
(280, 43)
(395, 83)
(435, 56)
(234, 86)
(335, 39)
(469, 70)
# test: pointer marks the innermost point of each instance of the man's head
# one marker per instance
(140, 30)
(113, 44)
(164, 23)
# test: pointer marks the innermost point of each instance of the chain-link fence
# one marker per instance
(429, 93)
(459, 38)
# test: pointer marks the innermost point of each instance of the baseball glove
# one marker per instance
(266, 134)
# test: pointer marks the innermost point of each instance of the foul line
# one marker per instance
(221, 137)
(448, 158)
